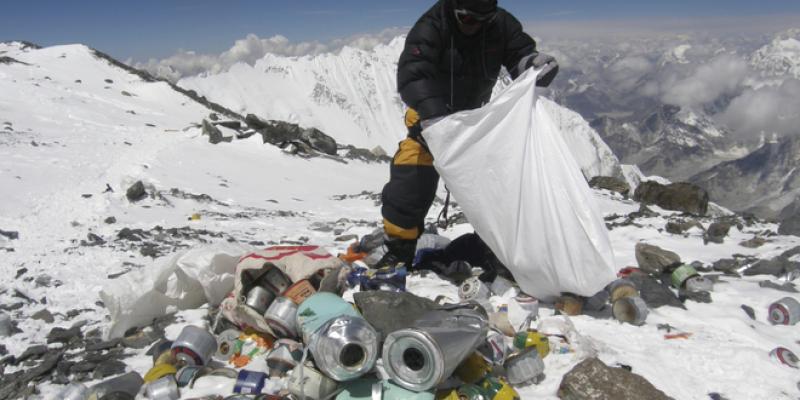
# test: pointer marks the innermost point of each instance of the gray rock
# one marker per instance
(213, 116)
(108, 368)
(716, 232)
(103, 345)
(214, 134)
(653, 259)
(34, 352)
(777, 266)
(346, 238)
(235, 125)
(279, 132)
(319, 141)
(44, 315)
(591, 379)
(790, 219)
(110, 220)
(654, 293)
(321, 227)
(610, 183)
(136, 192)
(726, 265)
(749, 311)
(61, 335)
(681, 196)
(254, 122)
(753, 243)
(788, 287)
(379, 152)
(681, 226)
(11, 235)
(699, 296)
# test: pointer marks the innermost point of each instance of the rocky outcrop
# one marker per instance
(654, 260)
(593, 380)
(681, 196)
(610, 183)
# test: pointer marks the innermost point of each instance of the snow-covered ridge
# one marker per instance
(781, 57)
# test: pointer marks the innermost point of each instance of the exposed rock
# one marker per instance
(11, 235)
(345, 238)
(749, 311)
(610, 183)
(61, 335)
(136, 192)
(653, 259)
(108, 368)
(727, 265)
(698, 296)
(214, 134)
(788, 287)
(354, 153)
(681, 226)
(379, 152)
(753, 243)
(33, 352)
(235, 125)
(253, 121)
(44, 315)
(103, 345)
(654, 293)
(321, 227)
(320, 141)
(679, 196)
(716, 232)
(591, 379)
(778, 266)
(110, 220)
(278, 132)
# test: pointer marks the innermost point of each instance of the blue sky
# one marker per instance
(157, 28)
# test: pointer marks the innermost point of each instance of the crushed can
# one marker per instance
(422, 356)
(185, 375)
(498, 389)
(159, 371)
(300, 291)
(74, 391)
(785, 311)
(345, 348)
(307, 382)
(473, 368)
(284, 356)
(698, 283)
(259, 299)
(532, 338)
(681, 274)
(632, 310)
(317, 310)
(249, 382)
(194, 346)
(281, 316)
(276, 280)
(621, 288)
(494, 347)
(228, 344)
(525, 368)
(785, 357)
(163, 389)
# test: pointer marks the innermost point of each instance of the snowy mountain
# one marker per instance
(781, 57)
(352, 96)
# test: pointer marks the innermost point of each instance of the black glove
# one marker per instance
(546, 63)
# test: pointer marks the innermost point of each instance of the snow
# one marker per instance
(86, 138)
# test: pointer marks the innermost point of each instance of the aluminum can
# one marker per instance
(785, 357)
(282, 317)
(74, 391)
(632, 310)
(227, 344)
(259, 299)
(318, 309)
(307, 382)
(300, 291)
(421, 357)
(525, 367)
(621, 288)
(785, 311)
(345, 348)
(277, 280)
(473, 289)
(185, 375)
(194, 346)
(163, 389)
(284, 356)
(249, 382)
(681, 274)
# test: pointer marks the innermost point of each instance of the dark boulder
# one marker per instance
(654, 293)
(610, 183)
(136, 192)
(716, 232)
(319, 141)
(681, 196)
(591, 379)
(214, 134)
(654, 260)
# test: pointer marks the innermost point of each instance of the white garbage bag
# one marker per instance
(518, 184)
(188, 280)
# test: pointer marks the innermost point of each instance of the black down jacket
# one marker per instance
(439, 63)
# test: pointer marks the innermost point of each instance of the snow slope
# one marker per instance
(66, 141)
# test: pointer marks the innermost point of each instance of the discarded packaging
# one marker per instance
(163, 389)
(681, 274)
(228, 344)
(621, 288)
(306, 382)
(494, 347)
(501, 285)
(498, 389)
(632, 310)
(74, 391)
(785, 357)
(284, 357)
(124, 386)
(159, 371)
(785, 311)
(421, 357)
(699, 284)
(569, 304)
(259, 299)
(194, 346)
(473, 290)
(282, 317)
(249, 382)
(368, 389)
(532, 338)
(389, 278)
(525, 368)
(185, 375)
(345, 348)
(473, 368)
(528, 303)
(300, 291)
(318, 310)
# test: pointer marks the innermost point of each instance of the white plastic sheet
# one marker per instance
(188, 280)
(520, 187)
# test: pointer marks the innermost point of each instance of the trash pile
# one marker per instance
(287, 332)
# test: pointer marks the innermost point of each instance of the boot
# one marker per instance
(398, 251)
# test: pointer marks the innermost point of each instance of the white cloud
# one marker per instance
(722, 75)
(771, 109)
(252, 48)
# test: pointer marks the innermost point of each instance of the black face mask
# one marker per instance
(472, 18)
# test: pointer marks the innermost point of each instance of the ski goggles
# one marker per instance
(472, 18)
